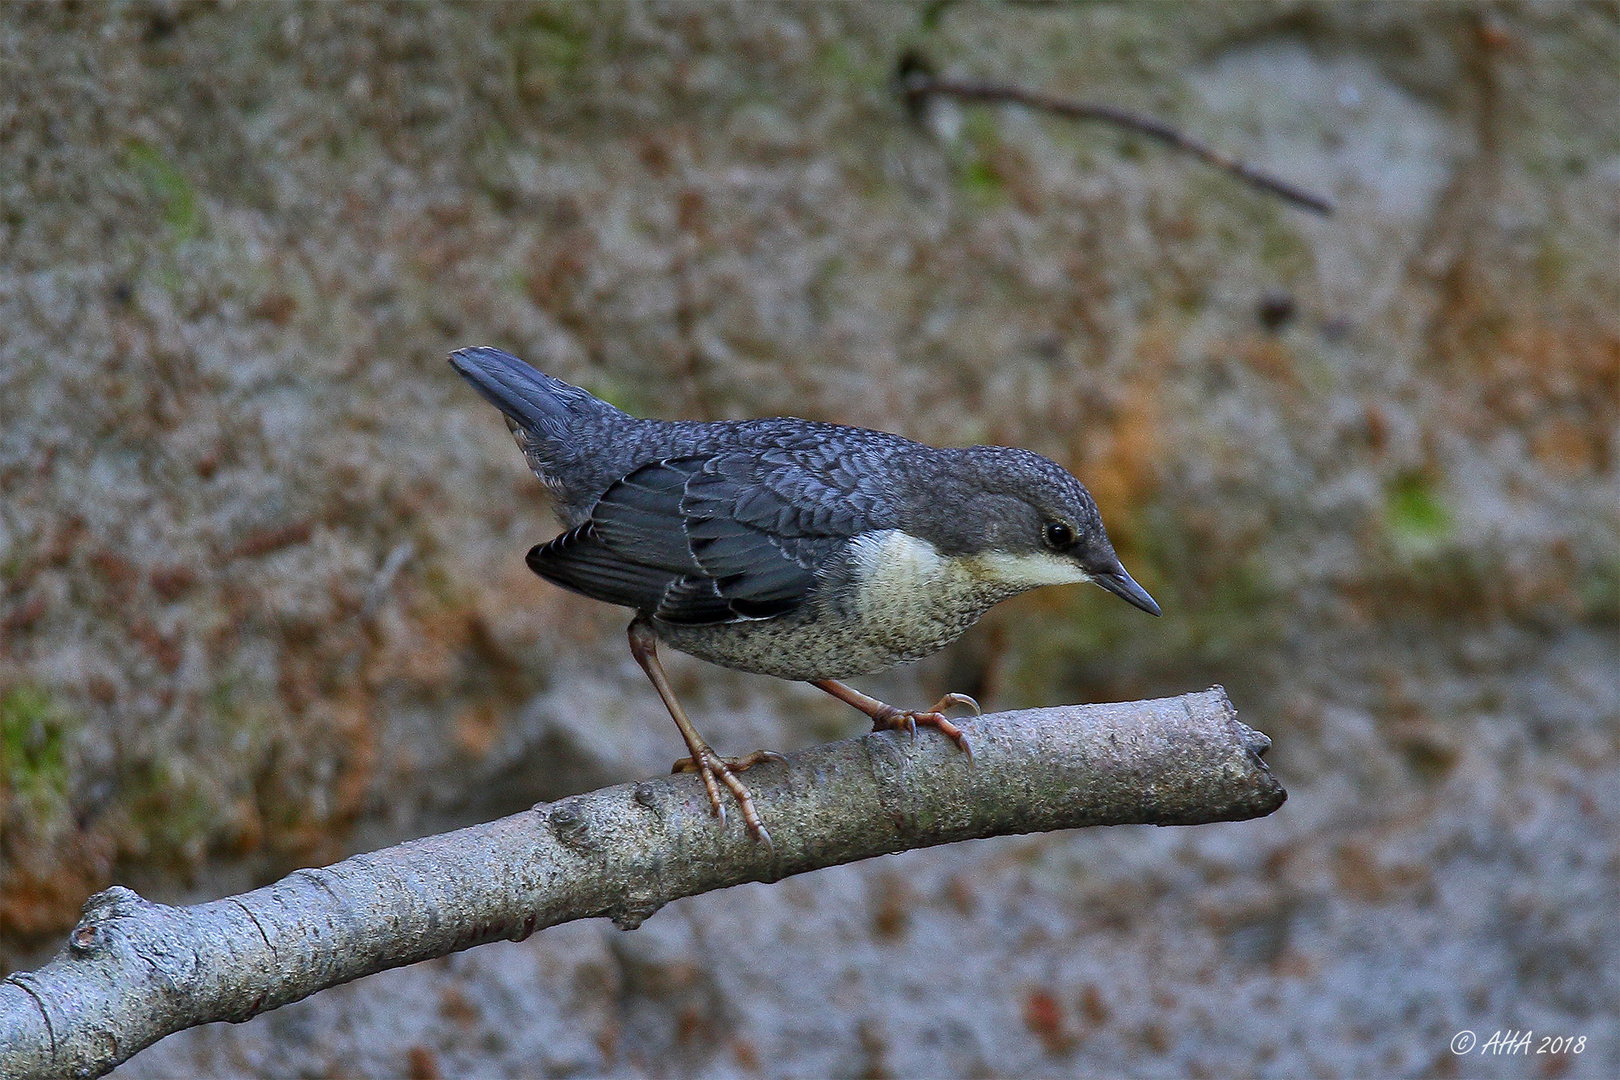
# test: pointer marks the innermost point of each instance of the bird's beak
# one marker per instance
(1122, 585)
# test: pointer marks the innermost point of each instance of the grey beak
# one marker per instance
(1122, 585)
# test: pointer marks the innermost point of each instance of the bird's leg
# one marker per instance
(713, 768)
(887, 716)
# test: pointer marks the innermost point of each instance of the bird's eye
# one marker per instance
(1057, 535)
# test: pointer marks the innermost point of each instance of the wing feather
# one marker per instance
(709, 539)
(580, 561)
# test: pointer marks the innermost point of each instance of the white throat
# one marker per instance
(1027, 571)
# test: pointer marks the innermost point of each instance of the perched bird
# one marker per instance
(789, 547)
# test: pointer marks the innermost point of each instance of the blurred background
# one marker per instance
(262, 592)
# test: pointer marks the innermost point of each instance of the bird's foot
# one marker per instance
(735, 764)
(891, 718)
(715, 770)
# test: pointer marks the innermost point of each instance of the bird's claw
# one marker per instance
(715, 770)
(956, 699)
(947, 728)
(907, 720)
(887, 717)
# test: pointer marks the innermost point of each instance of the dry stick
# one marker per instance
(133, 971)
(917, 87)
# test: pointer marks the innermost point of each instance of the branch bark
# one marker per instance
(132, 971)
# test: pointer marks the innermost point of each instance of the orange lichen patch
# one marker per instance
(892, 899)
(559, 282)
(1448, 586)
(352, 721)
(519, 607)
(65, 534)
(277, 307)
(1569, 447)
(1547, 584)
(422, 1063)
(1127, 470)
(426, 652)
(456, 1007)
(1035, 608)
(313, 784)
(1119, 456)
(476, 728)
(1011, 169)
(173, 582)
(607, 1039)
(116, 569)
(164, 648)
(745, 1054)
(1043, 1016)
(1126, 475)
(691, 1025)
(272, 538)
(1552, 375)
(43, 885)
(244, 829)
(117, 575)
(1293, 964)
(961, 895)
(1093, 1006)
(1375, 425)
(300, 677)
(1362, 874)
(1270, 358)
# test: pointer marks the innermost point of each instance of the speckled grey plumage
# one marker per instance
(780, 546)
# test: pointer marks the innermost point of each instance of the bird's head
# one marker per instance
(1022, 521)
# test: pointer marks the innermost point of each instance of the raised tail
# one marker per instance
(573, 441)
(546, 408)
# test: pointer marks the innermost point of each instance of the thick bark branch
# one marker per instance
(133, 971)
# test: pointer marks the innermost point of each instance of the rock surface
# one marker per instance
(262, 598)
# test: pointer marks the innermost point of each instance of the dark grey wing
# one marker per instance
(639, 517)
(760, 526)
(632, 550)
(705, 539)
(578, 560)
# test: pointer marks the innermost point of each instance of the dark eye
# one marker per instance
(1057, 535)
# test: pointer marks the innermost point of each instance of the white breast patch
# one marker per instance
(894, 568)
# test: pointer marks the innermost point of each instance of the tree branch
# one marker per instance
(916, 86)
(132, 971)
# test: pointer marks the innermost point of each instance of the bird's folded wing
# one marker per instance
(705, 539)
(578, 560)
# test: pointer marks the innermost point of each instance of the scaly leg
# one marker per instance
(714, 769)
(887, 716)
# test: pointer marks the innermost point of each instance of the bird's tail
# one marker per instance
(548, 411)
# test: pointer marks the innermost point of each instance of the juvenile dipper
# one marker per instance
(788, 547)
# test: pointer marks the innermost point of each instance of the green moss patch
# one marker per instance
(34, 732)
(1416, 515)
(165, 183)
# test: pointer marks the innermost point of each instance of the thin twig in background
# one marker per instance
(134, 971)
(916, 86)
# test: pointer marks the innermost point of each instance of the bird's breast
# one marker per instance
(894, 573)
(888, 598)
(905, 593)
